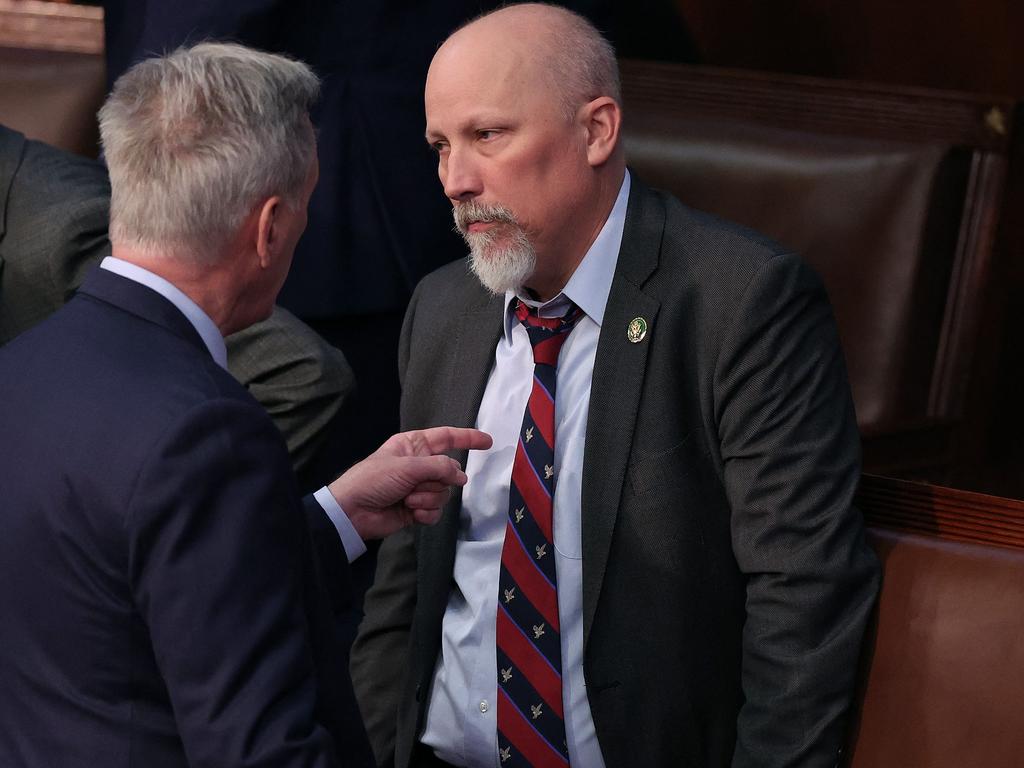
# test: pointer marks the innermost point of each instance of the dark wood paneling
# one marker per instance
(958, 44)
(38, 25)
(946, 513)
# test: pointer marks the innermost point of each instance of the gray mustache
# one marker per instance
(469, 212)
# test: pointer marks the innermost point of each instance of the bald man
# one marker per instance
(658, 562)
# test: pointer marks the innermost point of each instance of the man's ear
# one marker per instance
(267, 232)
(602, 118)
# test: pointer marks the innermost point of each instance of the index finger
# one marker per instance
(444, 439)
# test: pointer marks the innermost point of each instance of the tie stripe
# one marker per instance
(531, 726)
(533, 746)
(519, 653)
(526, 616)
(530, 529)
(531, 488)
(542, 413)
(534, 583)
(546, 352)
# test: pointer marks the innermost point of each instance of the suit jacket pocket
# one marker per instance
(666, 469)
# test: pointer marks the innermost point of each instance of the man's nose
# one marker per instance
(460, 176)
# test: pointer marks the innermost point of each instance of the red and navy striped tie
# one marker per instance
(531, 725)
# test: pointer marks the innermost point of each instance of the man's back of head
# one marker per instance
(197, 142)
(195, 138)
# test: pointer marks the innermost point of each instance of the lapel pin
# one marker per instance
(636, 330)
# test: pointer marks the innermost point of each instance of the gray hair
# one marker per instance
(579, 59)
(196, 138)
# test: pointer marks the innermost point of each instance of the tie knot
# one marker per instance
(547, 334)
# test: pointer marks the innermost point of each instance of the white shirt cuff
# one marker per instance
(350, 539)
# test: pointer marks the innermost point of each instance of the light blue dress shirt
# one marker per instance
(211, 336)
(461, 722)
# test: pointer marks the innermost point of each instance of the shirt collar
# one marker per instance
(591, 283)
(200, 320)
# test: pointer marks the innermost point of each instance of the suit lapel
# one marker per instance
(475, 335)
(619, 369)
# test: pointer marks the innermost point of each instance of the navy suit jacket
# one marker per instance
(160, 603)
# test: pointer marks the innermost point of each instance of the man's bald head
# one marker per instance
(522, 109)
(559, 46)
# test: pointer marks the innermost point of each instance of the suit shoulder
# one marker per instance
(708, 264)
(710, 250)
(446, 289)
(454, 279)
(12, 150)
(61, 175)
(137, 367)
(708, 236)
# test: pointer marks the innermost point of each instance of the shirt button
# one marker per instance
(484, 706)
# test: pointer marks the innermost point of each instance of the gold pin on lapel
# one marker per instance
(636, 330)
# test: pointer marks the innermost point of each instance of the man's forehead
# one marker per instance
(444, 120)
(482, 87)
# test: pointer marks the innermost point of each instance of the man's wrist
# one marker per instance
(350, 538)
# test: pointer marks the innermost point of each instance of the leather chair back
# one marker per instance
(882, 190)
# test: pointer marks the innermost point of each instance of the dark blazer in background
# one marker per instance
(54, 212)
(160, 605)
(726, 580)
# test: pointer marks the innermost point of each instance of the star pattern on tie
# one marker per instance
(531, 727)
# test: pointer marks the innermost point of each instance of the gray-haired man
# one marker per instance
(161, 601)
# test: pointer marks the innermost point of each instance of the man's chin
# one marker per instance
(497, 272)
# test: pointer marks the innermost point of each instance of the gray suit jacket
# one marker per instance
(54, 210)
(726, 580)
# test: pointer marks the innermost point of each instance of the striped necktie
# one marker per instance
(531, 726)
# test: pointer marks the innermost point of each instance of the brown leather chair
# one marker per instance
(943, 668)
(891, 194)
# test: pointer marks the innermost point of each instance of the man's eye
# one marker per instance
(438, 147)
(486, 134)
